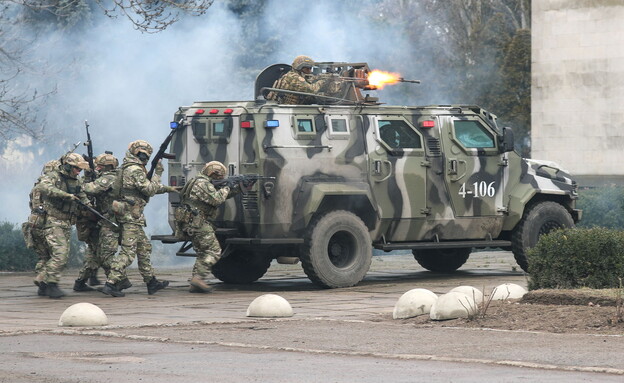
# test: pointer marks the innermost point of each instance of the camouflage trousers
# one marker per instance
(206, 247)
(134, 243)
(102, 245)
(41, 249)
(56, 236)
(88, 233)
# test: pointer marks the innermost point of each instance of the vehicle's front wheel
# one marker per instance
(442, 260)
(337, 251)
(538, 219)
(241, 267)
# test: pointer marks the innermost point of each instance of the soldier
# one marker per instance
(198, 207)
(106, 236)
(299, 79)
(33, 229)
(131, 192)
(58, 191)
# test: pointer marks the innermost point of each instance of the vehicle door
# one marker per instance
(475, 168)
(397, 174)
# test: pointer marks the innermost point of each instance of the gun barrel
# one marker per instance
(401, 79)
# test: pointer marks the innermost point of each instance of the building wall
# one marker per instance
(577, 95)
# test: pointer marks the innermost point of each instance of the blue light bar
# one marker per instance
(174, 124)
(271, 123)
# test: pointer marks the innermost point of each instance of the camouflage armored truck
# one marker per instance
(352, 175)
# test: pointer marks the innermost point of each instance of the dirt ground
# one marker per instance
(582, 311)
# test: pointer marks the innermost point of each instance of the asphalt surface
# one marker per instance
(340, 335)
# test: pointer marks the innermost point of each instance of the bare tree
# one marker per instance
(18, 101)
(145, 15)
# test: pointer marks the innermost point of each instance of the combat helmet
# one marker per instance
(75, 159)
(214, 168)
(50, 165)
(106, 159)
(140, 146)
(301, 62)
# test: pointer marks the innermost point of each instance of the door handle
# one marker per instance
(377, 165)
(454, 169)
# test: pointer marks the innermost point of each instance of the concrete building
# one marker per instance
(577, 96)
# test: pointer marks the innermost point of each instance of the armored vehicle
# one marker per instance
(352, 174)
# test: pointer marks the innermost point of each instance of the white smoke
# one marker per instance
(129, 84)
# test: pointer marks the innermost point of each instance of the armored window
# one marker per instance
(471, 134)
(305, 126)
(397, 134)
(199, 129)
(338, 126)
(213, 129)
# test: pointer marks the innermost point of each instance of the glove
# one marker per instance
(159, 169)
(171, 189)
(70, 196)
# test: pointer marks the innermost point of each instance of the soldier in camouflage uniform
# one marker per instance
(131, 192)
(58, 190)
(198, 207)
(33, 228)
(106, 236)
(299, 79)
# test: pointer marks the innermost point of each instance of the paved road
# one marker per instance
(335, 335)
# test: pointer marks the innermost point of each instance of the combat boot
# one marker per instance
(42, 290)
(199, 286)
(124, 284)
(154, 285)
(93, 279)
(112, 290)
(53, 291)
(81, 285)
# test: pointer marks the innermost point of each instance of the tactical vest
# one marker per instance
(61, 208)
(207, 211)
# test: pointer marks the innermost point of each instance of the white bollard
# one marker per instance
(83, 315)
(508, 291)
(453, 305)
(413, 303)
(270, 306)
(472, 292)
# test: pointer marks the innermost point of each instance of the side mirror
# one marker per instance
(507, 144)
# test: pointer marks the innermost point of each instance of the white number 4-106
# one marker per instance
(479, 190)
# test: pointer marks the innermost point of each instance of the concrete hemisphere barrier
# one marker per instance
(413, 303)
(472, 292)
(453, 305)
(83, 315)
(269, 306)
(508, 291)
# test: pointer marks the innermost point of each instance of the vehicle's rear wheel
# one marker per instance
(538, 219)
(442, 260)
(337, 251)
(241, 267)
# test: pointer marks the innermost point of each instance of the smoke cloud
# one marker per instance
(129, 84)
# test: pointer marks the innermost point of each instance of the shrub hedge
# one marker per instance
(602, 207)
(14, 256)
(573, 258)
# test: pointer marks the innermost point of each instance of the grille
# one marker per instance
(250, 200)
(434, 147)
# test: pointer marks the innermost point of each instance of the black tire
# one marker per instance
(442, 260)
(241, 267)
(538, 219)
(337, 251)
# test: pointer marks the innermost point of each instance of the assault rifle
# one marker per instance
(95, 212)
(163, 147)
(89, 156)
(244, 181)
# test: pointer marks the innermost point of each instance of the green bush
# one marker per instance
(14, 256)
(602, 207)
(573, 258)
